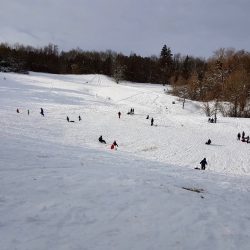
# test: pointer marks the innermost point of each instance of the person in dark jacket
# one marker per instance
(208, 142)
(152, 121)
(147, 117)
(67, 119)
(243, 135)
(119, 114)
(247, 139)
(28, 111)
(203, 164)
(238, 136)
(41, 112)
(17, 110)
(101, 140)
(79, 117)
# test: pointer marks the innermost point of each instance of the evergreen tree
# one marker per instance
(166, 64)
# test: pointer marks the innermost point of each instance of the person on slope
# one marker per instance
(41, 112)
(208, 142)
(119, 114)
(101, 140)
(243, 135)
(147, 117)
(67, 119)
(114, 145)
(79, 117)
(203, 164)
(17, 110)
(238, 136)
(152, 121)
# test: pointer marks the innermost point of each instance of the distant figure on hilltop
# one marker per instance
(203, 164)
(41, 112)
(152, 121)
(101, 140)
(238, 136)
(119, 114)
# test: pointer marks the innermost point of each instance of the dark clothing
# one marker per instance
(42, 113)
(79, 117)
(67, 119)
(28, 112)
(115, 144)
(17, 110)
(147, 117)
(119, 114)
(243, 134)
(203, 164)
(152, 121)
(101, 140)
(238, 136)
(208, 142)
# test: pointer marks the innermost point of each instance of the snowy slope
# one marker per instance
(61, 189)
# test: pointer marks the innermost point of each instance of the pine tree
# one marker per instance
(166, 64)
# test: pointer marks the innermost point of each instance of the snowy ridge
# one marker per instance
(61, 189)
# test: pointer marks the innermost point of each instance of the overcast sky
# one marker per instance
(194, 27)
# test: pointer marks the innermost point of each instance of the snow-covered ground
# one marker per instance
(61, 189)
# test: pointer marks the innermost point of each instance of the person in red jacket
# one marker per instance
(114, 145)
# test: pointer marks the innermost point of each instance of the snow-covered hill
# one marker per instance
(61, 189)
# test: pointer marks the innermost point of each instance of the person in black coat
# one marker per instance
(41, 112)
(79, 117)
(208, 142)
(238, 136)
(67, 119)
(203, 164)
(152, 121)
(101, 140)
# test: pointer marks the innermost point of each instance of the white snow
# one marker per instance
(61, 189)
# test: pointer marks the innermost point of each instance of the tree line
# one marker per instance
(224, 77)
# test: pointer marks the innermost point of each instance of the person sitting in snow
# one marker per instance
(114, 145)
(203, 164)
(208, 142)
(247, 139)
(101, 140)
